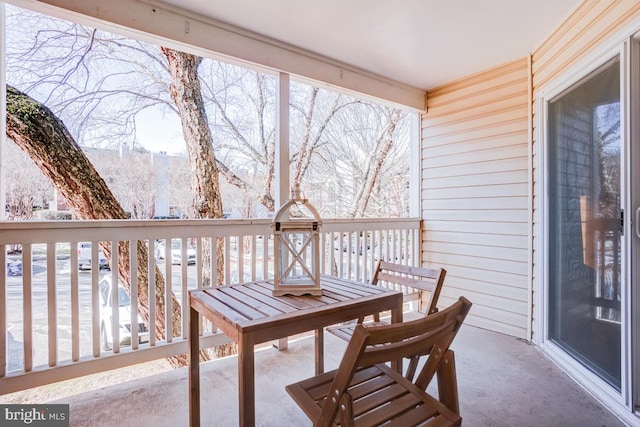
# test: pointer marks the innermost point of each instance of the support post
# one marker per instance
(282, 191)
(3, 111)
(415, 171)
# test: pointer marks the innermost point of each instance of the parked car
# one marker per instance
(124, 317)
(176, 252)
(14, 268)
(84, 257)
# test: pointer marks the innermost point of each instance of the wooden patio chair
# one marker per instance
(422, 279)
(364, 390)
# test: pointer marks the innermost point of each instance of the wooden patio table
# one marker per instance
(249, 314)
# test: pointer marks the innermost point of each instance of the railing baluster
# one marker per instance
(253, 256)
(240, 252)
(95, 299)
(323, 252)
(405, 250)
(265, 257)
(378, 244)
(408, 250)
(360, 255)
(227, 257)
(198, 279)
(213, 273)
(341, 271)
(339, 254)
(185, 297)
(349, 258)
(168, 282)
(115, 301)
(372, 257)
(52, 309)
(75, 308)
(394, 245)
(27, 307)
(213, 260)
(95, 284)
(3, 313)
(151, 288)
(335, 238)
(199, 257)
(133, 268)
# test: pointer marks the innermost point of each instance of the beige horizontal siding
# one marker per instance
(491, 160)
(475, 202)
(494, 319)
(481, 260)
(443, 98)
(590, 25)
(477, 237)
(477, 122)
(489, 228)
(479, 144)
(483, 132)
(460, 181)
(483, 280)
(487, 203)
(500, 190)
(505, 101)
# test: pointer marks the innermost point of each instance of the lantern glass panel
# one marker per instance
(297, 256)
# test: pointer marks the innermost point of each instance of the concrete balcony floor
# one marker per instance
(502, 382)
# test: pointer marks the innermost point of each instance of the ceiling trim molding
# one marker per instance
(162, 23)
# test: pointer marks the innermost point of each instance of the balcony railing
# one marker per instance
(56, 325)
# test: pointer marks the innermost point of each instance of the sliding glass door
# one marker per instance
(585, 245)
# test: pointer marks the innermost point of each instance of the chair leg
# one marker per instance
(411, 368)
(448, 383)
(319, 350)
(346, 410)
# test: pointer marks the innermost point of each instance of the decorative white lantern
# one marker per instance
(296, 247)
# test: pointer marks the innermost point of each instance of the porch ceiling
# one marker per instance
(391, 51)
(421, 43)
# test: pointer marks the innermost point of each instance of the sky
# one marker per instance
(157, 131)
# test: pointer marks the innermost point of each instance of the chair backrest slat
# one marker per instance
(423, 279)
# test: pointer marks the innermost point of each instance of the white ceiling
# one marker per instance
(422, 43)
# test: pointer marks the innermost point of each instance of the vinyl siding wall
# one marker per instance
(479, 189)
(475, 194)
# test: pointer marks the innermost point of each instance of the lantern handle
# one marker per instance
(298, 200)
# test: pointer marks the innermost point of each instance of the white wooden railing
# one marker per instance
(50, 312)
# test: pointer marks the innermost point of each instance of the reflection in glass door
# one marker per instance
(585, 223)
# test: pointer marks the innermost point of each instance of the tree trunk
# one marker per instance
(374, 165)
(187, 95)
(310, 144)
(37, 131)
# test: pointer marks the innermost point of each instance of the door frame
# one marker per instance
(634, 138)
(619, 402)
